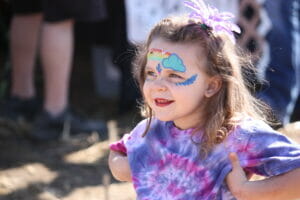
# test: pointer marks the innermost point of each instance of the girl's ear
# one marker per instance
(213, 86)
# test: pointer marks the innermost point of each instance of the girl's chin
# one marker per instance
(164, 118)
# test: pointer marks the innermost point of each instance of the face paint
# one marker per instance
(158, 68)
(170, 61)
(173, 62)
(189, 81)
(157, 54)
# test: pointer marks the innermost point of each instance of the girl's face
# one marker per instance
(176, 83)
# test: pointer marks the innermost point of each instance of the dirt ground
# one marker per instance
(73, 169)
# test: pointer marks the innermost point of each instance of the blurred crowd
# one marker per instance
(44, 29)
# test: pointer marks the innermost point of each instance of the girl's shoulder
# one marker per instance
(249, 127)
(250, 132)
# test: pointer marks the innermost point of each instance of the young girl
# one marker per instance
(204, 130)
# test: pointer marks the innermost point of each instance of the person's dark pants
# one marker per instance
(283, 69)
(123, 54)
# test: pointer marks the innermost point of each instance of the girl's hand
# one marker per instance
(237, 178)
(284, 186)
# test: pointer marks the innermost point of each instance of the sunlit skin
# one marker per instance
(164, 91)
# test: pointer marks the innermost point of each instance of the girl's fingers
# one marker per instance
(237, 170)
(234, 160)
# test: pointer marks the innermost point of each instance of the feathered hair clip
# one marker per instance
(218, 22)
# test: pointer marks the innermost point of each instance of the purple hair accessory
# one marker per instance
(219, 22)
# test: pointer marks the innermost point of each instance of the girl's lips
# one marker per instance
(162, 102)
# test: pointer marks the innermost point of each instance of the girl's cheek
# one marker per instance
(148, 85)
(145, 89)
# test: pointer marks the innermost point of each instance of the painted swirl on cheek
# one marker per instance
(189, 81)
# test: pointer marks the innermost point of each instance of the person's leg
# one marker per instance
(57, 120)
(57, 53)
(24, 36)
(22, 104)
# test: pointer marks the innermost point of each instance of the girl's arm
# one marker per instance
(119, 166)
(285, 186)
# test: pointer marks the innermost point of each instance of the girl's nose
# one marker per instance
(160, 85)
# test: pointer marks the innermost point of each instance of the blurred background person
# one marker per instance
(271, 33)
(280, 63)
(123, 53)
(47, 25)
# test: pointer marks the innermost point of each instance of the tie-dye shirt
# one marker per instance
(165, 164)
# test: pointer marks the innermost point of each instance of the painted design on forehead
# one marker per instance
(174, 62)
(158, 68)
(157, 54)
(188, 81)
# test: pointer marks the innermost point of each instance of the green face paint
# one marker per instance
(157, 54)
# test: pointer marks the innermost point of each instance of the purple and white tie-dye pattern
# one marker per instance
(165, 164)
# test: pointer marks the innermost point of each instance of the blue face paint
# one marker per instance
(158, 68)
(170, 61)
(173, 62)
(189, 81)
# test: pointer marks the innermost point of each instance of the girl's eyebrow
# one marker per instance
(173, 71)
(148, 67)
(165, 69)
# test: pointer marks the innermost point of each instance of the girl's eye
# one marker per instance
(175, 76)
(150, 73)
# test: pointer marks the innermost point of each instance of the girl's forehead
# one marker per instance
(157, 54)
(169, 46)
(161, 46)
(187, 51)
(175, 56)
(167, 60)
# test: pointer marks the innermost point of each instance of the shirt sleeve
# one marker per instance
(130, 140)
(120, 145)
(270, 153)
